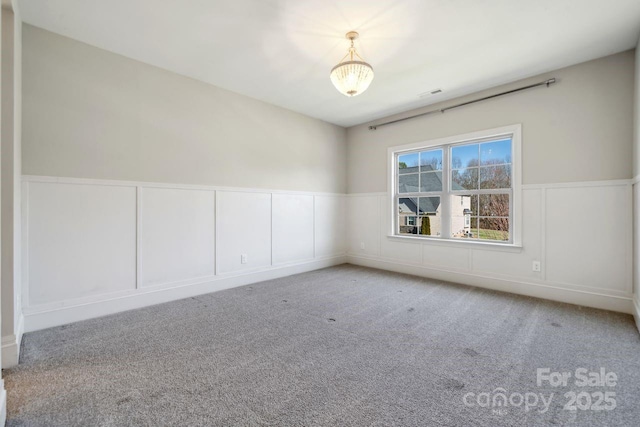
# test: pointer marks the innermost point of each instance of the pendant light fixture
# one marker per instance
(352, 75)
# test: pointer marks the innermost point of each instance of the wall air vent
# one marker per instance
(429, 93)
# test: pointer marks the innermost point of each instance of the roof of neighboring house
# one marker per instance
(428, 180)
(409, 205)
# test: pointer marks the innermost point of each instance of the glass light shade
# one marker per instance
(351, 78)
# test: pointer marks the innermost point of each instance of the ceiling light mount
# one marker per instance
(352, 75)
(352, 35)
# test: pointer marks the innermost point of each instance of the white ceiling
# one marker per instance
(281, 51)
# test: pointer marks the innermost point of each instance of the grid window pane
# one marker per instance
(408, 163)
(460, 217)
(464, 179)
(467, 229)
(464, 156)
(494, 205)
(408, 206)
(431, 160)
(495, 152)
(494, 229)
(407, 214)
(495, 177)
(429, 205)
(431, 181)
(465, 202)
(430, 225)
(408, 183)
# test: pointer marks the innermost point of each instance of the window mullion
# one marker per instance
(445, 200)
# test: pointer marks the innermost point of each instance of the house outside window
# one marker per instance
(464, 188)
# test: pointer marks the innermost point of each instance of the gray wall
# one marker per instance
(577, 130)
(89, 113)
(11, 186)
(636, 114)
(636, 187)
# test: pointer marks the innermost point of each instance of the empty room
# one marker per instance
(320, 213)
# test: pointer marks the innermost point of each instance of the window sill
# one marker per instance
(501, 247)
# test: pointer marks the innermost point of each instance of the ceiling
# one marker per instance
(281, 51)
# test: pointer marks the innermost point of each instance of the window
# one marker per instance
(464, 188)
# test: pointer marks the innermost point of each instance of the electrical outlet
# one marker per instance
(243, 259)
(536, 266)
(362, 245)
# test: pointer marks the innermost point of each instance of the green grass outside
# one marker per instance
(493, 234)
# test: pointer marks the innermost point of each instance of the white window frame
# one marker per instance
(515, 232)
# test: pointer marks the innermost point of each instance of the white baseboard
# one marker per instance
(3, 404)
(636, 310)
(36, 319)
(11, 346)
(571, 296)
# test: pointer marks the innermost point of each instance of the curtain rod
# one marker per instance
(546, 83)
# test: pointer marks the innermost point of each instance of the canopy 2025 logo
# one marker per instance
(600, 400)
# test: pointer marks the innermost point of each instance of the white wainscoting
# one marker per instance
(292, 228)
(82, 241)
(11, 346)
(177, 235)
(3, 403)
(330, 231)
(96, 247)
(636, 312)
(244, 227)
(636, 249)
(581, 232)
